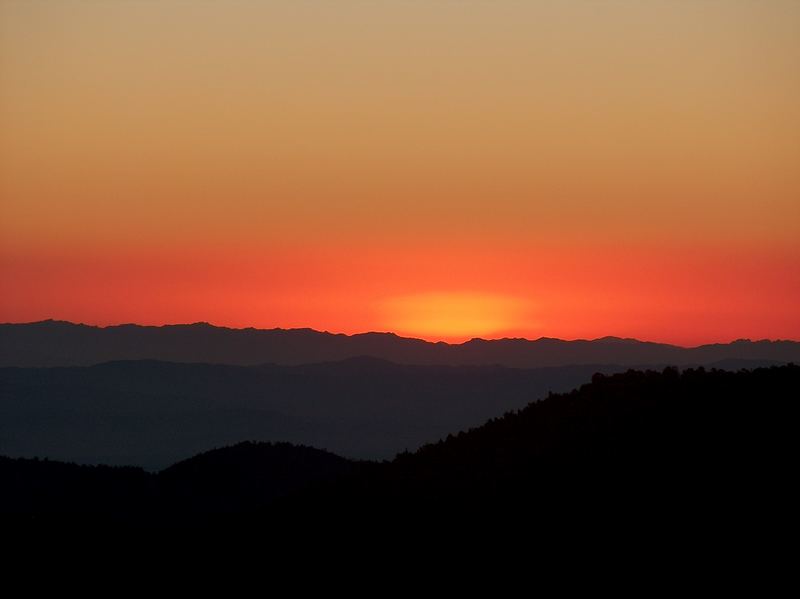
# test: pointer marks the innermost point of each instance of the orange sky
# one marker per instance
(440, 169)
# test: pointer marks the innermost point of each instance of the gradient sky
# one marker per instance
(440, 169)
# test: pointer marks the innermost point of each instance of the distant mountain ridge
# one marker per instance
(60, 343)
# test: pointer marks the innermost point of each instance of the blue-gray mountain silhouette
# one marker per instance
(56, 343)
(150, 413)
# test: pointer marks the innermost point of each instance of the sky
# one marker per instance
(440, 169)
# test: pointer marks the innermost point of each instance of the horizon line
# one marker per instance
(399, 336)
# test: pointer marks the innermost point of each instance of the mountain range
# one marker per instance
(58, 343)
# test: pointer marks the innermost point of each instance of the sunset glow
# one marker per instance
(455, 316)
(444, 170)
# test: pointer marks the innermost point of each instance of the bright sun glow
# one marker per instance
(452, 316)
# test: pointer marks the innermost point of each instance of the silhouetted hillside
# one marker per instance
(643, 436)
(34, 487)
(246, 476)
(644, 449)
(152, 414)
(54, 343)
(230, 480)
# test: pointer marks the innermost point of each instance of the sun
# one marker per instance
(453, 316)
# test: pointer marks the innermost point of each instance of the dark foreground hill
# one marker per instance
(707, 438)
(640, 448)
(232, 480)
(55, 343)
